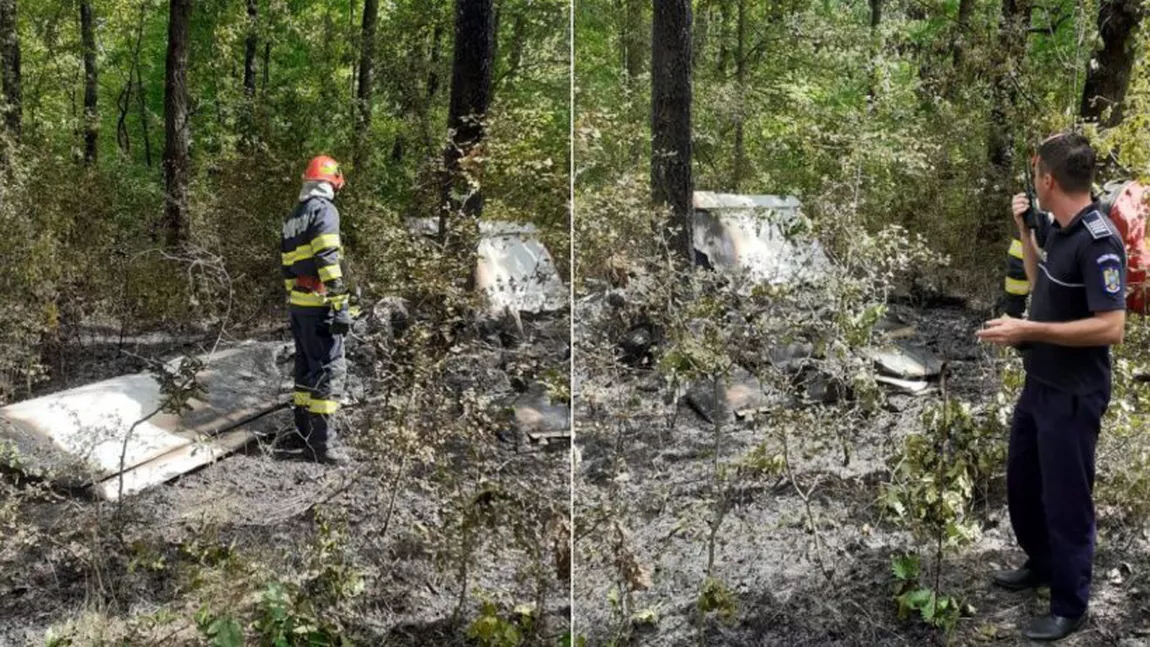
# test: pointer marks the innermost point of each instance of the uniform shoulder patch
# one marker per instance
(1097, 226)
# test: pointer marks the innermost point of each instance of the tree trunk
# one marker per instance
(366, 82)
(958, 44)
(740, 175)
(176, 162)
(634, 39)
(1108, 74)
(10, 73)
(250, 47)
(91, 115)
(1013, 30)
(875, 46)
(671, 120)
(470, 97)
(267, 63)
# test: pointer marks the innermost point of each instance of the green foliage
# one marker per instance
(716, 597)
(492, 629)
(222, 631)
(935, 609)
(934, 475)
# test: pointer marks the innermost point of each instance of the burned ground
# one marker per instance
(643, 486)
(372, 547)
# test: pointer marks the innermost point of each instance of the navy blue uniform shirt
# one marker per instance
(1083, 272)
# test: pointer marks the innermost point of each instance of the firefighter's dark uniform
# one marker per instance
(1050, 466)
(1016, 287)
(311, 251)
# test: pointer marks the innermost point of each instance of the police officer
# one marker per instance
(320, 318)
(1077, 311)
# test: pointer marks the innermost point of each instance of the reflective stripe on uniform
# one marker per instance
(324, 241)
(1016, 248)
(330, 273)
(325, 407)
(1015, 286)
(338, 301)
(301, 398)
(289, 284)
(307, 299)
(301, 253)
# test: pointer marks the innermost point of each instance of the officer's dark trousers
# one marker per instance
(1050, 485)
(320, 371)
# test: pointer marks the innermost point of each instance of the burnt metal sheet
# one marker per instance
(756, 234)
(514, 270)
(86, 434)
(903, 360)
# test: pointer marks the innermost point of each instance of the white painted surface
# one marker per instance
(514, 269)
(92, 422)
(750, 233)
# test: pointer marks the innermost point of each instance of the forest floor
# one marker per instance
(218, 536)
(657, 475)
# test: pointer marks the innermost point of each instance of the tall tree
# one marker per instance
(1108, 74)
(1009, 57)
(91, 114)
(176, 162)
(471, 75)
(633, 38)
(251, 44)
(740, 174)
(10, 72)
(365, 88)
(671, 183)
(962, 34)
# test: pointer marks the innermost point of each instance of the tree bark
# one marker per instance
(740, 174)
(958, 44)
(671, 183)
(366, 81)
(470, 97)
(634, 39)
(1108, 74)
(10, 72)
(1012, 34)
(91, 115)
(176, 162)
(251, 44)
(1013, 31)
(267, 64)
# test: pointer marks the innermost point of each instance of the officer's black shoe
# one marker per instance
(1020, 579)
(1053, 627)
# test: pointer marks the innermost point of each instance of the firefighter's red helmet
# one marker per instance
(324, 169)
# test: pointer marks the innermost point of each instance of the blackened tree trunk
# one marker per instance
(251, 44)
(1108, 74)
(366, 81)
(470, 97)
(91, 114)
(176, 162)
(10, 72)
(671, 183)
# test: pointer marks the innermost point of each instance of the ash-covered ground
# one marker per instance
(646, 464)
(257, 516)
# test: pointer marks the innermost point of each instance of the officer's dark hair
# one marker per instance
(1070, 159)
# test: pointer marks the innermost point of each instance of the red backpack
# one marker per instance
(1126, 205)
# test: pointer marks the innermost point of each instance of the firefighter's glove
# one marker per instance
(341, 322)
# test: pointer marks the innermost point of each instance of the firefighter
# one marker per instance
(1077, 311)
(318, 298)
